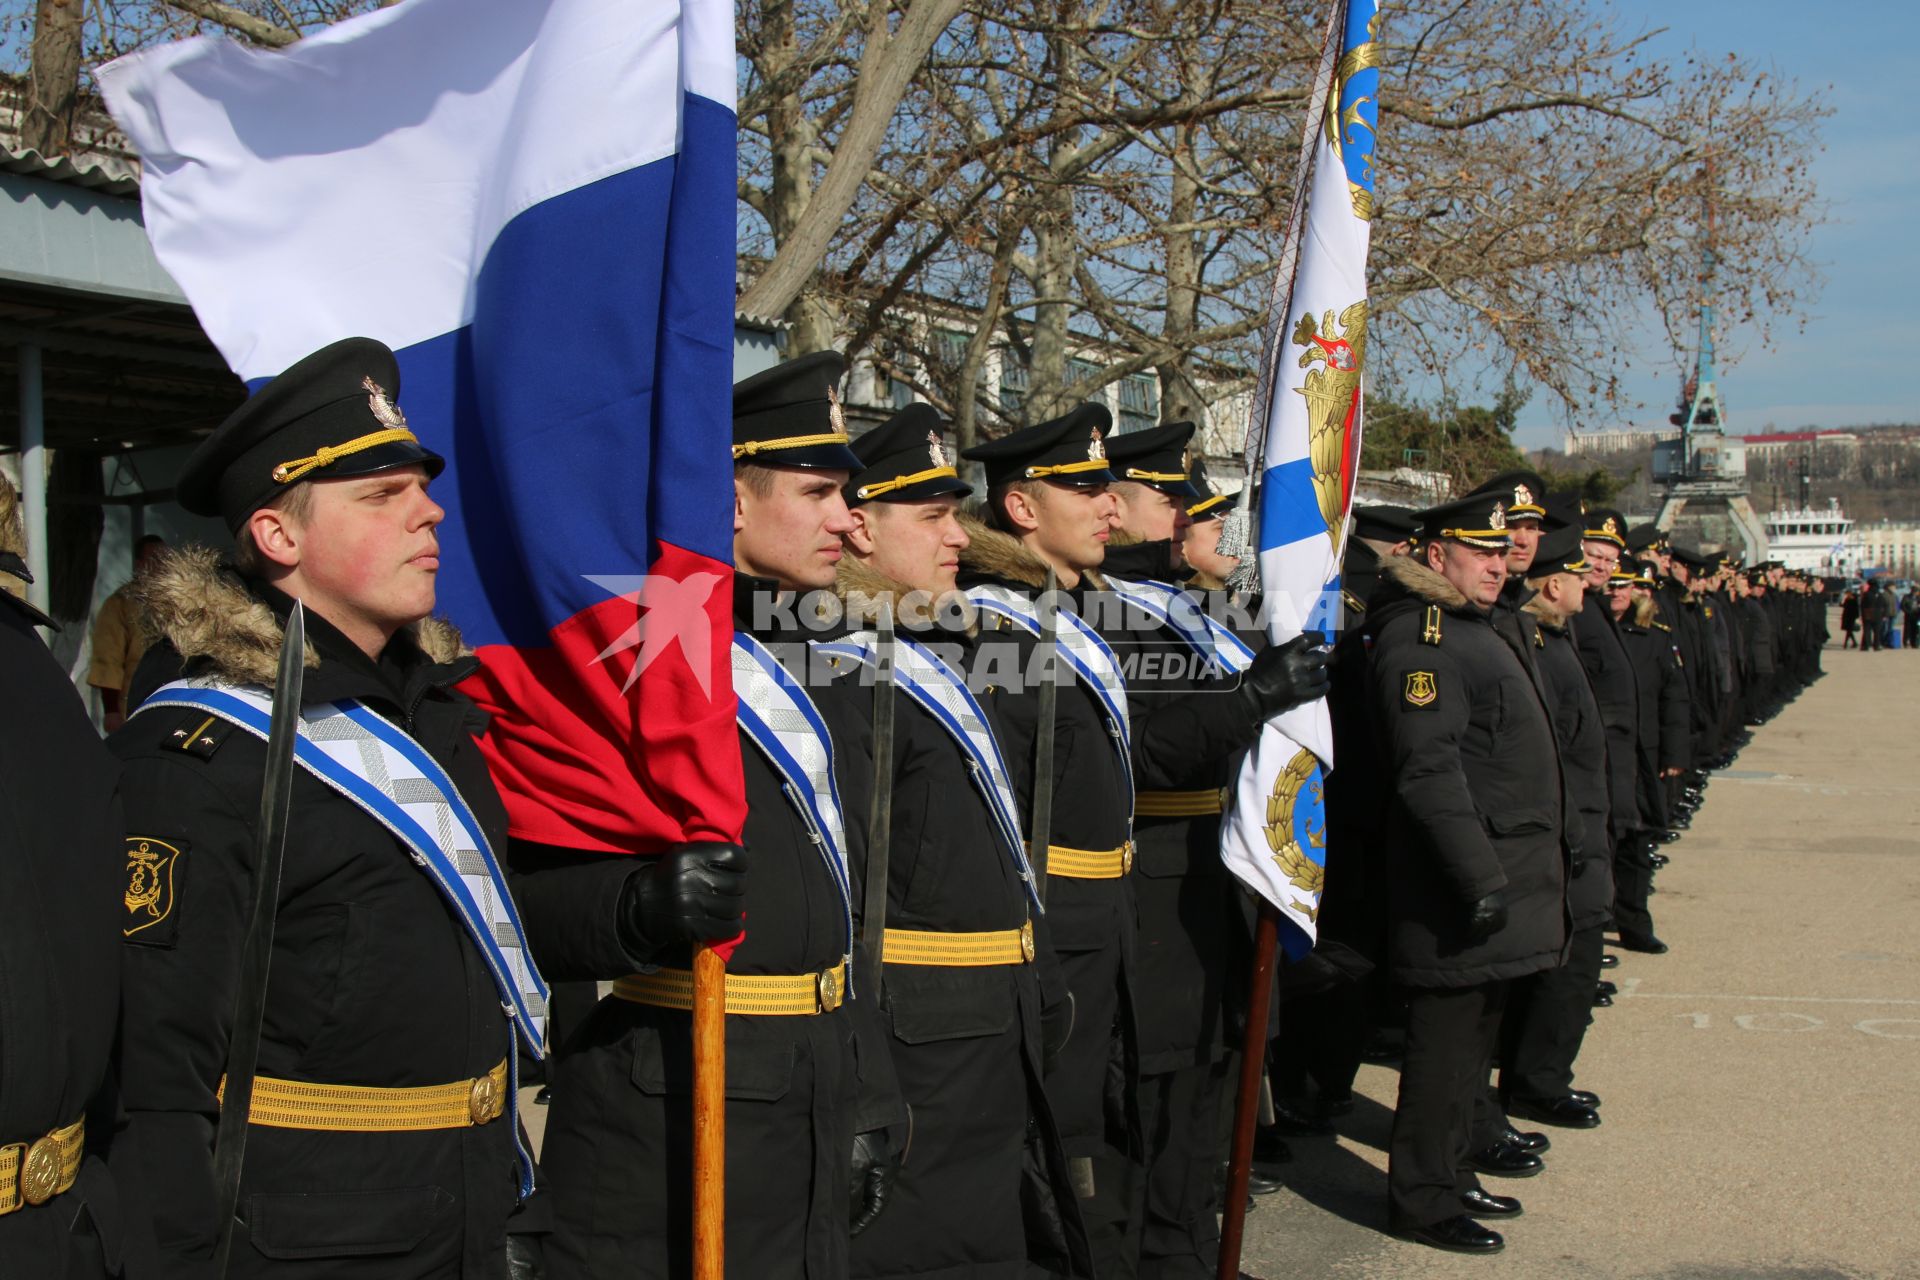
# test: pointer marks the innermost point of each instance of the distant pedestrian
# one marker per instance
(1910, 613)
(1873, 617)
(121, 636)
(1849, 619)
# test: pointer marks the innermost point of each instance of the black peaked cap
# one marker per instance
(329, 415)
(1211, 504)
(1603, 524)
(1384, 522)
(1525, 492)
(1068, 450)
(904, 459)
(1559, 552)
(1477, 519)
(790, 415)
(1159, 457)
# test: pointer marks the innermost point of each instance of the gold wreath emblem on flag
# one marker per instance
(1333, 402)
(1302, 872)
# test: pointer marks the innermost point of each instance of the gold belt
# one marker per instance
(353, 1108)
(960, 950)
(1180, 804)
(32, 1173)
(1089, 864)
(757, 993)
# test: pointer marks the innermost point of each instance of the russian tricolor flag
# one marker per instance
(1275, 838)
(532, 202)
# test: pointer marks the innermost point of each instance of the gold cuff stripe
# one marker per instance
(1180, 804)
(1067, 468)
(960, 950)
(328, 454)
(352, 1108)
(1158, 477)
(762, 994)
(901, 482)
(1090, 864)
(752, 447)
(1214, 501)
(32, 1173)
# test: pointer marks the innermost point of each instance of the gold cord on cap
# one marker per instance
(1067, 468)
(328, 454)
(1155, 477)
(752, 447)
(901, 482)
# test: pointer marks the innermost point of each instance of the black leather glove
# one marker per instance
(875, 1167)
(1287, 675)
(525, 1257)
(690, 893)
(1487, 916)
(1056, 1025)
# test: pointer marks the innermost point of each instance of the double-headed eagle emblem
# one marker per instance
(1333, 404)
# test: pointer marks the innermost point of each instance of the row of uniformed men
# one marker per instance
(1523, 712)
(1032, 1080)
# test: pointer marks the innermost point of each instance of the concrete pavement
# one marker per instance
(1761, 1081)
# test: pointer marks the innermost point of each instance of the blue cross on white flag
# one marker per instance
(1275, 839)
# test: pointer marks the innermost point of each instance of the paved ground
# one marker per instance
(1762, 1081)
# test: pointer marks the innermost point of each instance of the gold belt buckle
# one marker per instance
(1126, 858)
(40, 1172)
(484, 1101)
(1026, 941)
(828, 989)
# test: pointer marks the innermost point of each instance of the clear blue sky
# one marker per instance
(1858, 360)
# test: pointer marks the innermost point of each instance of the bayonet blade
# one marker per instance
(873, 912)
(256, 955)
(1041, 829)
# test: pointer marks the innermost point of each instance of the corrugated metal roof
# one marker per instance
(114, 180)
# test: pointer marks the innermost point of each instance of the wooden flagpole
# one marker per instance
(1246, 1110)
(709, 1114)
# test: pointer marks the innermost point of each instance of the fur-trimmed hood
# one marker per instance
(862, 588)
(1544, 613)
(1422, 583)
(994, 554)
(204, 610)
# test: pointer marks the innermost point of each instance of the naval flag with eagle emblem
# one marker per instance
(531, 202)
(1308, 417)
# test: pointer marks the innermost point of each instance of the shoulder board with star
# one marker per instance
(197, 733)
(1430, 626)
(1354, 603)
(1663, 626)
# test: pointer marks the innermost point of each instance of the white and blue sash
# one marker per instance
(1181, 614)
(375, 764)
(944, 696)
(773, 709)
(1083, 649)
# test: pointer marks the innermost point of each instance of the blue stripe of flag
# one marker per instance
(1289, 508)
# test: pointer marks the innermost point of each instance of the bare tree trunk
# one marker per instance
(1054, 259)
(790, 144)
(887, 65)
(966, 399)
(1179, 401)
(53, 79)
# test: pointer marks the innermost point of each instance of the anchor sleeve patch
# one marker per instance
(1420, 689)
(155, 868)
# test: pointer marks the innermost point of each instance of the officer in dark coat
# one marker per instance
(961, 992)
(1664, 707)
(1549, 1012)
(383, 1139)
(1616, 687)
(1187, 731)
(60, 864)
(1049, 504)
(1478, 861)
(814, 1121)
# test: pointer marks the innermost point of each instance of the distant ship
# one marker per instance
(1812, 541)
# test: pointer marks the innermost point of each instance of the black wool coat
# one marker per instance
(62, 878)
(1464, 732)
(618, 1153)
(1583, 763)
(374, 980)
(1610, 673)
